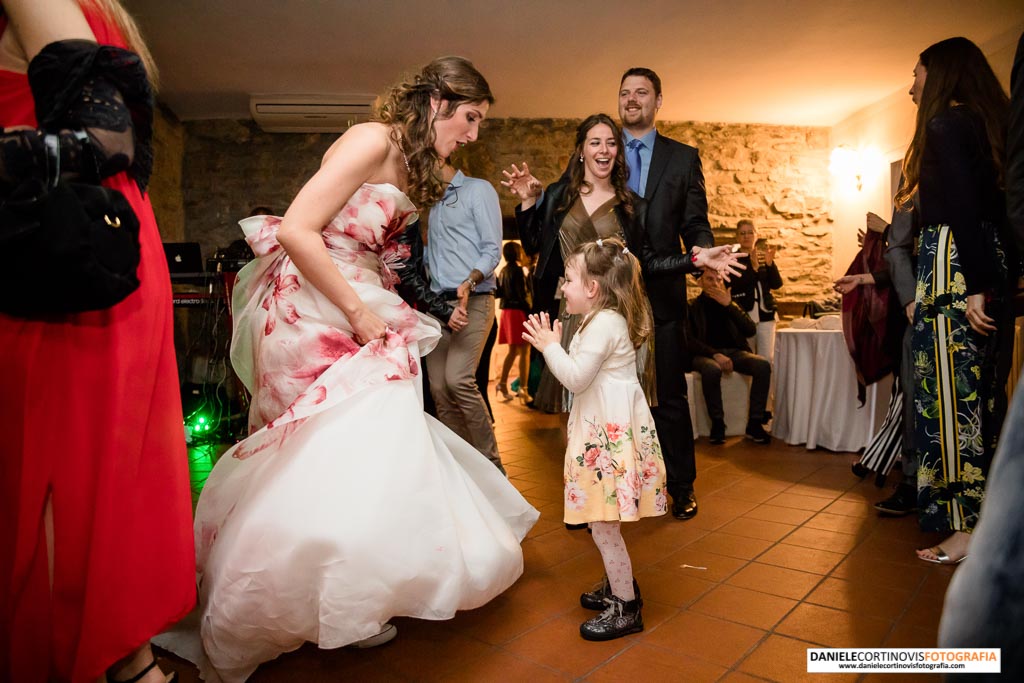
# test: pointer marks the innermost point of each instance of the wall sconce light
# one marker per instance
(851, 165)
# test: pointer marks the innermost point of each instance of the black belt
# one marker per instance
(453, 294)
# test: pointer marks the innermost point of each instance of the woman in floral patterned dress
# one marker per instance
(614, 471)
(347, 505)
(960, 328)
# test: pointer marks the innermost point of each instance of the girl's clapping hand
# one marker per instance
(540, 332)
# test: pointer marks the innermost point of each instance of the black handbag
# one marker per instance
(69, 246)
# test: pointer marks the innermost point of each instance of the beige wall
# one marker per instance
(887, 127)
(165, 189)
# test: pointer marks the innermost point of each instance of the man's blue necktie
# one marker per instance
(633, 158)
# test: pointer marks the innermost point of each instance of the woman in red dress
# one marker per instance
(96, 549)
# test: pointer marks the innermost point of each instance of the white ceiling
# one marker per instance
(798, 62)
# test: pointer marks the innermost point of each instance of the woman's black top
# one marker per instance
(514, 290)
(959, 187)
(752, 287)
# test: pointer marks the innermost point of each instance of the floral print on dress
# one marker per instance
(303, 343)
(954, 370)
(277, 305)
(623, 467)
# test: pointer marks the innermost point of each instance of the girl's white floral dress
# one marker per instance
(614, 470)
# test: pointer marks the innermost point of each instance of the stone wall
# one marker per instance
(233, 166)
(775, 175)
(165, 186)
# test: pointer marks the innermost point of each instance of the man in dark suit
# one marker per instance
(668, 175)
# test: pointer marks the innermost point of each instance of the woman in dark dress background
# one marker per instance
(962, 330)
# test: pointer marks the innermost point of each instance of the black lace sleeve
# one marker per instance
(81, 86)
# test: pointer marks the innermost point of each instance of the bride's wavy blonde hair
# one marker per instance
(406, 108)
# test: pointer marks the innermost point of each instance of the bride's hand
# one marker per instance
(521, 182)
(721, 259)
(366, 326)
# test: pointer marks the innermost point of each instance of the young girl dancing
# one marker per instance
(614, 470)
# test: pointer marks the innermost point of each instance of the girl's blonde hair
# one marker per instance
(406, 107)
(113, 10)
(617, 273)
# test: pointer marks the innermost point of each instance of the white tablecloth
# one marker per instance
(816, 393)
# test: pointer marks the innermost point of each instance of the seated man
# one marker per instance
(718, 332)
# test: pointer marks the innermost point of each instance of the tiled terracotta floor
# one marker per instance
(785, 553)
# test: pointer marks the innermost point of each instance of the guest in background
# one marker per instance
(962, 330)
(894, 438)
(96, 526)
(752, 288)
(463, 247)
(516, 297)
(717, 335)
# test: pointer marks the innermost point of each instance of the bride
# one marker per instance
(347, 505)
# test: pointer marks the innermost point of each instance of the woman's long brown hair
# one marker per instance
(957, 72)
(406, 107)
(577, 184)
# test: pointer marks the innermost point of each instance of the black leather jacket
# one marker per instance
(539, 228)
(738, 326)
(415, 286)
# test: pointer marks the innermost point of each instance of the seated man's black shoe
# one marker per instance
(620, 618)
(756, 433)
(717, 435)
(597, 599)
(684, 506)
(902, 502)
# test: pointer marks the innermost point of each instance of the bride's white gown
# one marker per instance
(347, 505)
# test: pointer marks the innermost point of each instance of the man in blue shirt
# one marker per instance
(463, 247)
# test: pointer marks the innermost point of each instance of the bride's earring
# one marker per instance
(581, 158)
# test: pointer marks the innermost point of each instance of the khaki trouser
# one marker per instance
(451, 369)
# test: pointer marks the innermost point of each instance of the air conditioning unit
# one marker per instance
(310, 113)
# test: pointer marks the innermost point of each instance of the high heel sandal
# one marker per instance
(524, 396)
(502, 388)
(168, 678)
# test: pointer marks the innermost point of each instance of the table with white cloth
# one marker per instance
(816, 393)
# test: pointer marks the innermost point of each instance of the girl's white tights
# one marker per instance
(617, 564)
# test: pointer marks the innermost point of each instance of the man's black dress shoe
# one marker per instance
(684, 506)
